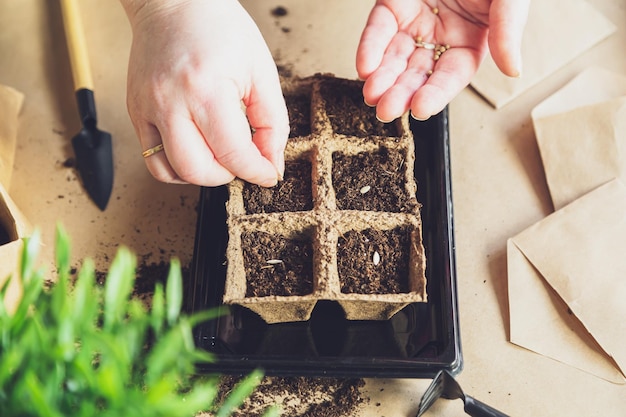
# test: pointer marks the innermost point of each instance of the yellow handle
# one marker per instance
(76, 45)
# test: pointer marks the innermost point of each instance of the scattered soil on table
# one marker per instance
(146, 278)
(300, 397)
(374, 261)
(276, 265)
(372, 181)
(293, 193)
(69, 163)
(279, 11)
(348, 113)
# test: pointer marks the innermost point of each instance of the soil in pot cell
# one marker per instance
(348, 113)
(277, 265)
(372, 181)
(293, 193)
(374, 261)
(299, 109)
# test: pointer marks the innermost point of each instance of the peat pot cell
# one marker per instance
(373, 181)
(299, 109)
(348, 113)
(374, 261)
(276, 265)
(293, 193)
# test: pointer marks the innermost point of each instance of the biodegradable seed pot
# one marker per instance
(344, 224)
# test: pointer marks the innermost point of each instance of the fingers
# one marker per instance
(394, 62)
(157, 163)
(226, 131)
(506, 26)
(427, 86)
(267, 114)
(380, 29)
(185, 157)
(453, 72)
(211, 152)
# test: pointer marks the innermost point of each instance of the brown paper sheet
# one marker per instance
(578, 252)
(10, 104)
(581, 133)
(557, 31)
(12, 221)
(582, 149)
(17, 226)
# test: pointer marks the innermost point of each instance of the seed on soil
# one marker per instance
(365, 189)
(376, 258)
(274, 261)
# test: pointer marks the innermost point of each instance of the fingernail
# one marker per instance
(270, 183)
(419, 118)
(367, 104)
(518, 66)
(383, 121)
(280, 165)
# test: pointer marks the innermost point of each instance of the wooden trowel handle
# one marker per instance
(76, 45)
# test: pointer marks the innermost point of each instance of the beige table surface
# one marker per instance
(498, 184)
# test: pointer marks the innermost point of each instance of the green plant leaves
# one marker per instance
(77, 349)
(118, 286)
(174, 292)
(239, 394)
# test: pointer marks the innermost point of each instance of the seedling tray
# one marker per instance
(417, 342)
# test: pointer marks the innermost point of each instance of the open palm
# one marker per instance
(401, 69)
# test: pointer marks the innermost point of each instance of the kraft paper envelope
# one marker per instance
(592, 86)
(557, 31)
(567, 284)
(581, 133)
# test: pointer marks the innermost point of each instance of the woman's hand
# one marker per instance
(200, 76)
(401, 69)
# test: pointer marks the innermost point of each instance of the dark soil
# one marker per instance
(348, 113)
(279, 11)
(300, 397)
(358, 273)
(299, 109)
(382, 172)
(146, 278)
(290, 270)
(293, 193)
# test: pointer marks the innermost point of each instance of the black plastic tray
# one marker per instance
(416, 342)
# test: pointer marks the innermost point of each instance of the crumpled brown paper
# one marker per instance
(13, 224)
(556, 32)
(581, 133)
(567, 284)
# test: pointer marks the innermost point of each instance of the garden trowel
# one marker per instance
(92, 147)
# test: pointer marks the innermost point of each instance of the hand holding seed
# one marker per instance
(418, 55)
(194, 65)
